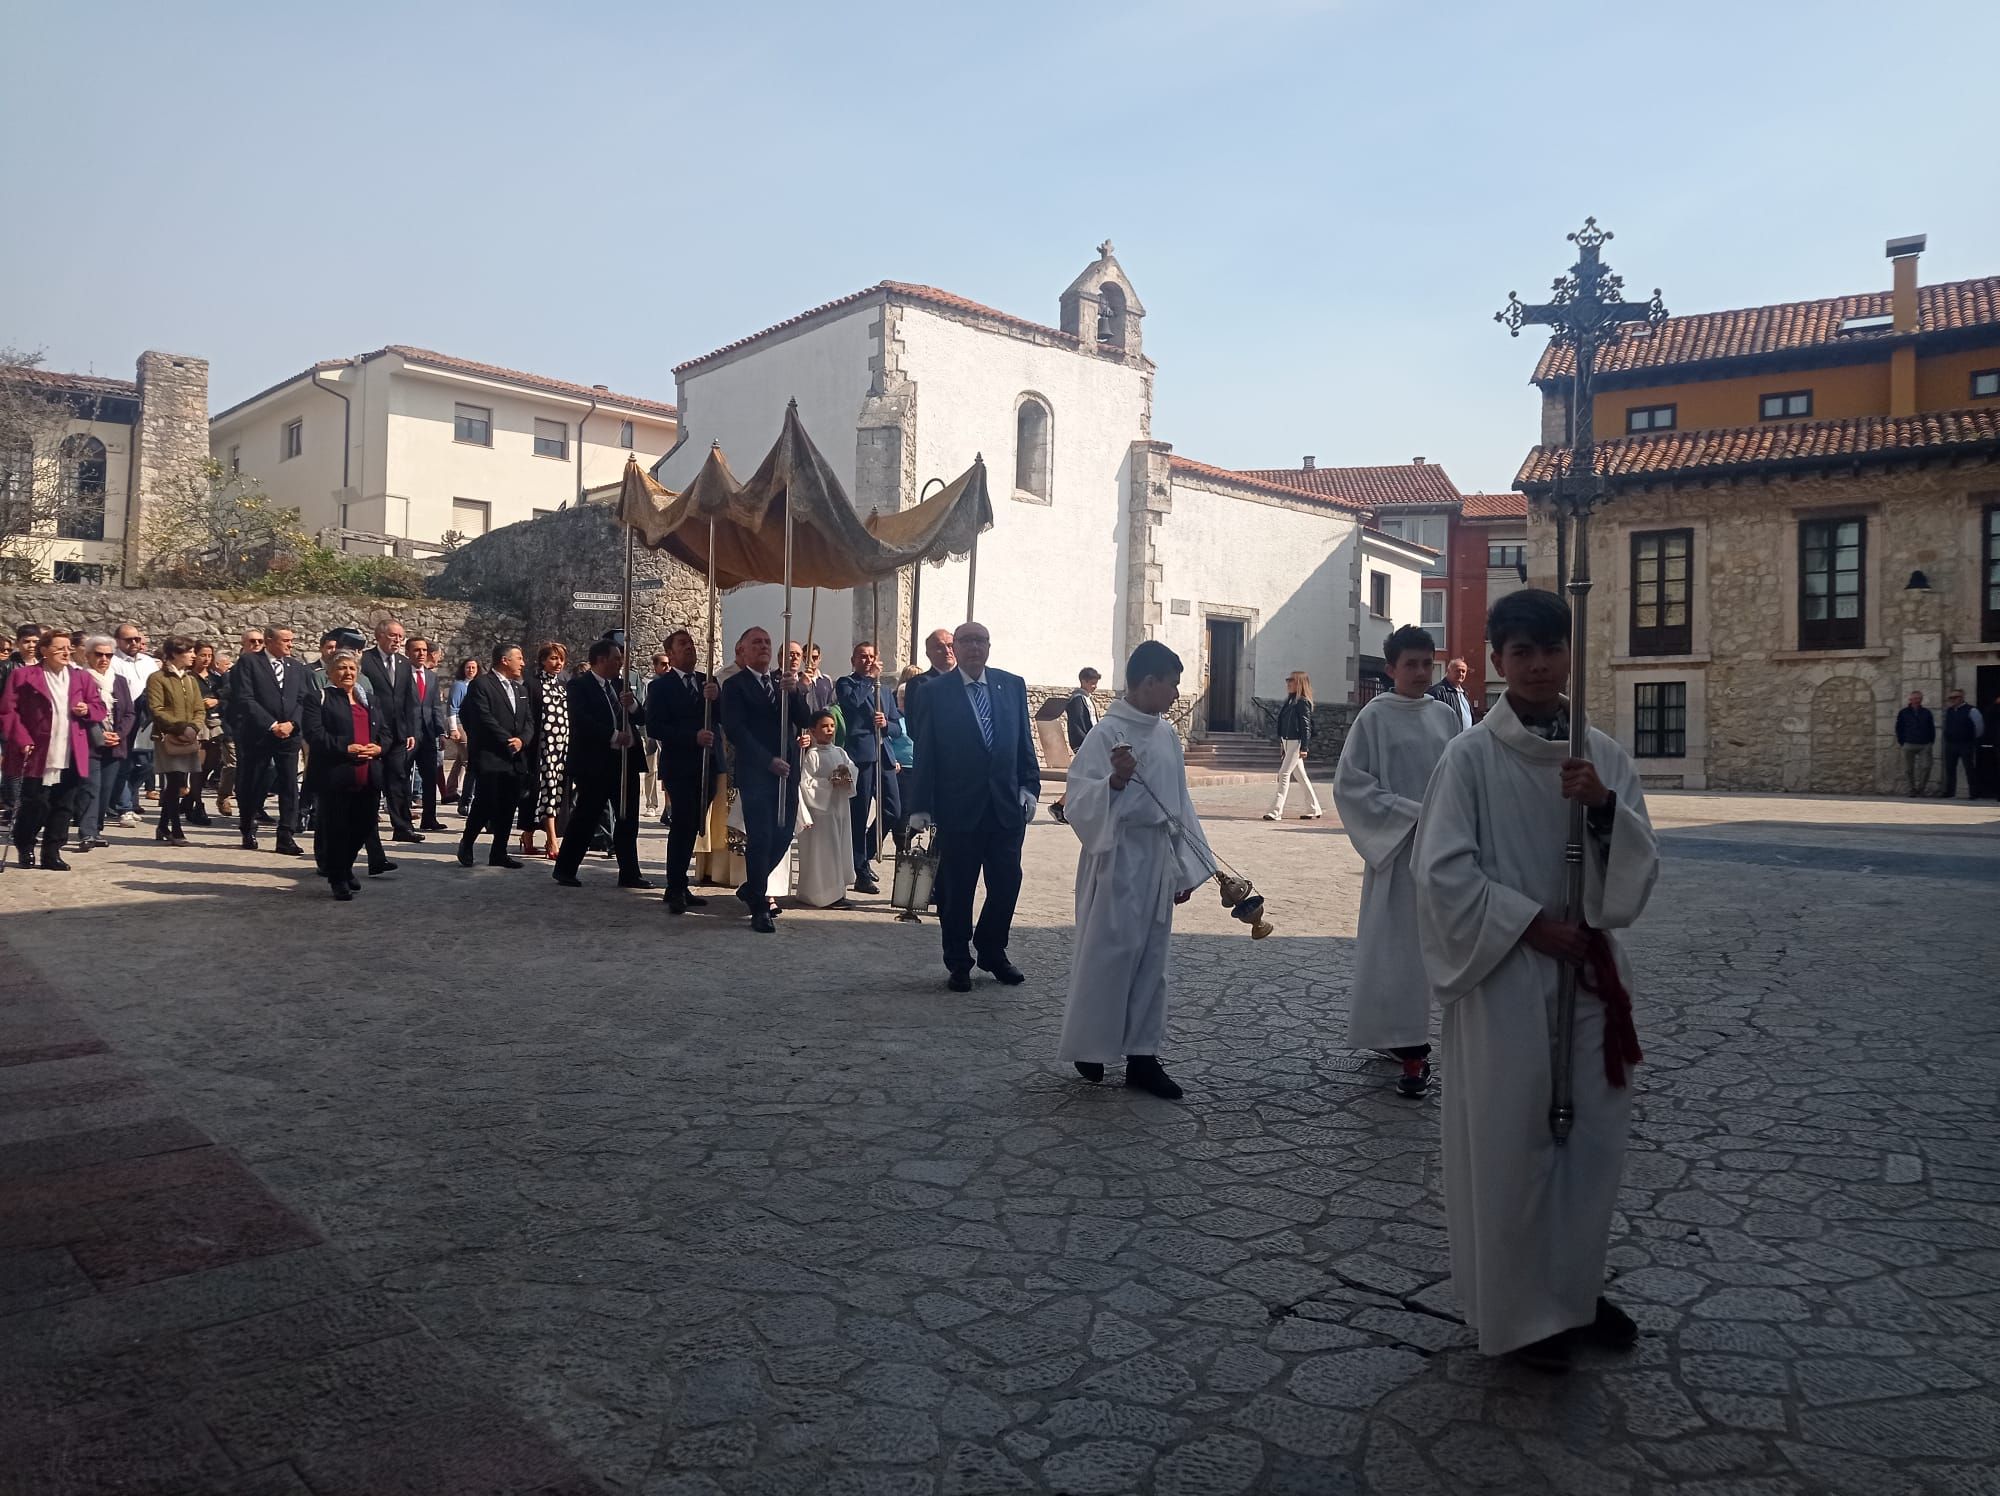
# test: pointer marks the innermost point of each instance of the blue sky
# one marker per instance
(1321, 202)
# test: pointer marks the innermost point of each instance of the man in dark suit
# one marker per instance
(267, 695)
(868, 710)
(392, 691)
(605, 761)
(978, 782)
(677, 718)
(499, 728)
(429, 687)
(765, 771)
(938, 649)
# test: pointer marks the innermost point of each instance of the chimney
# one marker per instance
(1416, 462)
(1309, 462)
(1903, 254)
(604, 387)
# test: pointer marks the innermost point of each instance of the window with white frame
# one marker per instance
(1433, 607)
(471, 517)
(291, 440)
(1378, 594)
(472, 424)
(551, 439)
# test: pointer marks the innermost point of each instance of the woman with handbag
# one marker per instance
(174, 698)
(210, 767)
(344, 753)
(107, 740)
(45, 716)
(550, 699)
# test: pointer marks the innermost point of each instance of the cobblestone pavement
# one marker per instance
(730, 1214)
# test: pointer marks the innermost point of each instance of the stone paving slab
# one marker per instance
(718, 1213)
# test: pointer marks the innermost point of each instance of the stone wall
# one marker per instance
(1764, 714)
(170, 441)
(220, 619)
(1332, 721)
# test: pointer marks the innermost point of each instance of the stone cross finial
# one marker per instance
(1104, 250)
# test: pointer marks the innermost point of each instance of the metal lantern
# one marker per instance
(1244, 903)
(916, 872)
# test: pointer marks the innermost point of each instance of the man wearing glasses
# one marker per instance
(135, 667)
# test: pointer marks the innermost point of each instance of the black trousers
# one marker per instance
(425, 760)
(346, 824)
(396, 786)
(45, 810)
(689, 806)
(597, 796)
(492, 810)
(964, 856)
(769, 820)
(265, 763)
(866, 839)
(1954, 755)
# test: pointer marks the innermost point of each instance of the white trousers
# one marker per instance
(1294, 764)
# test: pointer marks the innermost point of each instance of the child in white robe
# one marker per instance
(1385, 766)
(826, 830)
(1529, 1219)
(1143, 852)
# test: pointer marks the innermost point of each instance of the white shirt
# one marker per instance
(513, 704)
(107, 687)
(969, 679)
(58, 683)
(137, 670)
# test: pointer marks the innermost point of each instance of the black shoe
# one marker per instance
(98, 843)
(465, 857)
(52, 863)
(1059, 814)
(676, 902)
(1613, 1329)
(503, 860)
(177, 840)
(960, 981)
(406, 836)
(377, 869)
(432, 826)
(159, 833)
(867, 884)
(341, 891)
(693, 900)
(286, 847)
(24, 857)
(354, 883)
(1143, 1072)
(82, 846)
(568, 880)
(762, 923)
(1005, 972)
(250, 843)
(1414, 1083)
(1550, 1355)
(635, 883)
(265, 818)
(1090, 1070)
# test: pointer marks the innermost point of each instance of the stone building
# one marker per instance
(1804, 526)
(1102, 535)
(408, 444)
(86, 479)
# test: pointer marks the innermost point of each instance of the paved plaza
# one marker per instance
(478, 1184)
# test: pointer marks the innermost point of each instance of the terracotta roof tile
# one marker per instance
(82, 384)
(1368, 487)
(430, 359)
(1258, 483)
(1753, 449)
(1495, 506)
(1710, 337)
(901, 291)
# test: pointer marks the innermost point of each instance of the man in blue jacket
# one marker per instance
(868, 711)
(978, 782)
(1916, 731)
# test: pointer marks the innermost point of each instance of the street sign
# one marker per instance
(593, 597)
(649, 584)
(609, 605)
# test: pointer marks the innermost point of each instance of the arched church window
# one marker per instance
(1110, 316)
(1033, 448)
(82, 493)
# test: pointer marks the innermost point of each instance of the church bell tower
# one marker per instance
(1102, 311)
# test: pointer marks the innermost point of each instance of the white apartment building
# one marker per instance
(411, 444)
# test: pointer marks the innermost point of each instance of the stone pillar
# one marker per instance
(1149, 500)
(169, 443)
(885, 481)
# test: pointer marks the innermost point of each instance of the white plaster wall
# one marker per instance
(1288, 567)
(1049, 574)
(1406, 580)
(740, 402)
(309, 482)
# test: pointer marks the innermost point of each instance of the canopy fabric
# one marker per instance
(832, 546)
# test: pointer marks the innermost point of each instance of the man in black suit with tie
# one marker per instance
(499, 728)
(677, 708)
(267, 695)
(392, 691)
(429, 730)
(765, 771)
(605, 760)
(977, 780)
(868, 710)
(938, 649)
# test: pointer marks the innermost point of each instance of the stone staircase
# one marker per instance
(1232, 758)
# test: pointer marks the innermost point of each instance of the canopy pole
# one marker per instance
(624, 684)
(881, 736)
(916, 610)
(784, 690)
(812, 626)
(707, 706)
(971, 578)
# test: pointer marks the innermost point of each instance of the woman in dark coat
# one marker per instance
(344, 769)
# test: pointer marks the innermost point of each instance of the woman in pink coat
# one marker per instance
(45, 717)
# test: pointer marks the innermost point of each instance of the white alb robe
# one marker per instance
(1385, 767)
(1529, 1222)
(826, 832)
(1138, 853)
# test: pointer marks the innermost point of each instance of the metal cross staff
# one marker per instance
(1586, 313)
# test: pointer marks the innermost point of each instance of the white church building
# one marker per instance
(1101, 537)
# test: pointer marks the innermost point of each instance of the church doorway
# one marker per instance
(1225, 673)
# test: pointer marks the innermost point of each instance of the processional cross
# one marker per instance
(1586, 313)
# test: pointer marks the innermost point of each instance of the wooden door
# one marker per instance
(1225, 672)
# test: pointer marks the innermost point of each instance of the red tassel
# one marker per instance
(1621, 1036)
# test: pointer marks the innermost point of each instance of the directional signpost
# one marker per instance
(594, 602)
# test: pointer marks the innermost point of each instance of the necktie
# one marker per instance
(982, 708)
(771, 689)
(278, 669)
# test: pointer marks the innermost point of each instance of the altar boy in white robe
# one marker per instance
(1143, 852)
(1385, 767)
(1530, 1220)
(826, 833)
